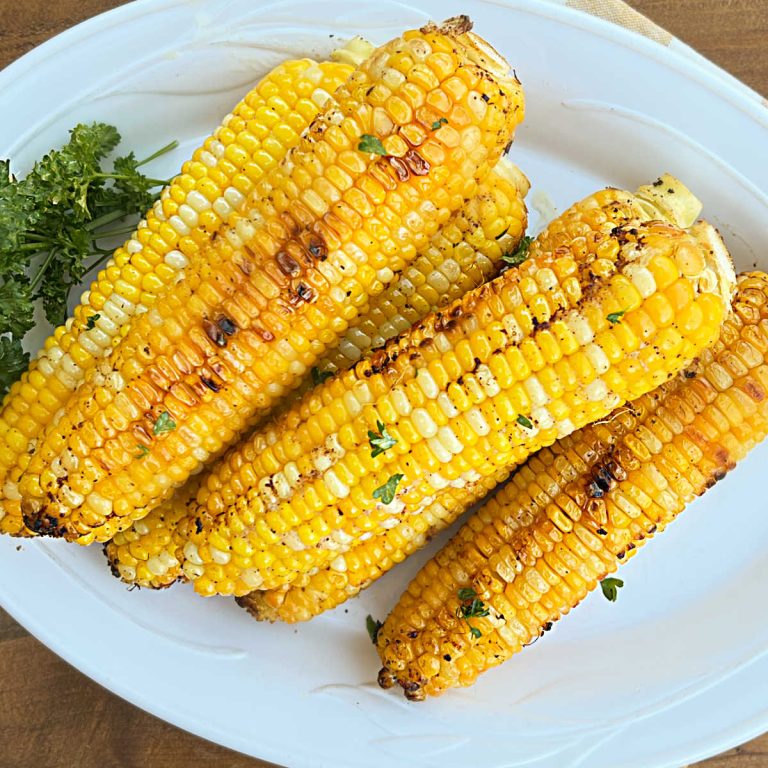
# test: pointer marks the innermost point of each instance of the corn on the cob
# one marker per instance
(527, 358)
(576, 510)
(313, 593)
(327, 229)
(462, 255)
(255, 136)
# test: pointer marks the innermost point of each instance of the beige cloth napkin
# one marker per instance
(618, 12)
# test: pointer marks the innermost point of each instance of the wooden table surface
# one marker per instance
(53, 716)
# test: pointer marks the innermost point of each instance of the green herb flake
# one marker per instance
(90, 324)
(438, 123)
(611, 587)
(380, 441)
(471, 607)
(520, 254)
(524, 421)
(386, 493)
(615, 317)
(164, 424)
(371, 144)
(318, 376)
(373, 626)
(142, 451)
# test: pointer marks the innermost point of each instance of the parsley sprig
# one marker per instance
(52, 224)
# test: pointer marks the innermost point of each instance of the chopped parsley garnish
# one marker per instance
(52, 228)
(611, 587)
(90, 323)
(164, 423)
(520, 254)
(386, 493)
(371, 144)
(524, 421)
(380, 441)
(471, 607)
(318, 376)
(615, 317)
(373, 626)
(142, 451)
(439, 122)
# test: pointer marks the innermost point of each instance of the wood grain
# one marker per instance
(53, 716)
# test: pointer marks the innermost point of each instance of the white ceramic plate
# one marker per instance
(673, 672)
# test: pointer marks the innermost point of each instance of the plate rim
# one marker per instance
(717, 81)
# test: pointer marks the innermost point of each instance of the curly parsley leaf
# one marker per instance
(16, 307)
(13, 362)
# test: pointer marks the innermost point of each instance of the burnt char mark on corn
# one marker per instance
(214, 333)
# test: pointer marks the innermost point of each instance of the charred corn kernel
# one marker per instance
(580, 508)
(295, 259)
(145, 265)
(490, 225)
(401, 482)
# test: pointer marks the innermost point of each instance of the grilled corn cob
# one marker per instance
(527, 358)
(576, 510)
(462, 255)
(313, 593)
(222, 172)
(327, 229)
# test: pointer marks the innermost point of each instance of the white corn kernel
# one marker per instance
(424, 423)
(222, 558)
(191, 554)
(536, 391)
(477, 422)
(642, 278)
(251, 578)
(334, 485)
(198, 201)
